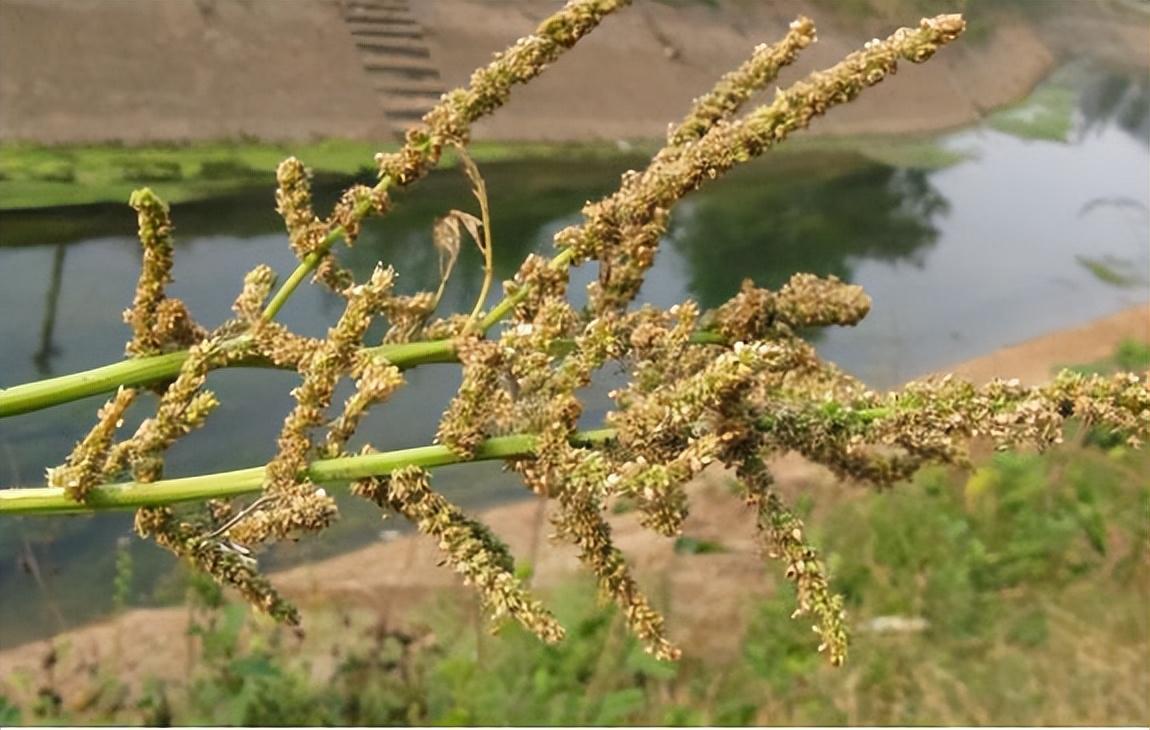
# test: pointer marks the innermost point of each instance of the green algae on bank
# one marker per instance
(33, 177)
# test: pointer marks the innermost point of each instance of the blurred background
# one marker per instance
(993, 202)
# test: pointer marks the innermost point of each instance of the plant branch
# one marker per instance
(138, 371)
(41, 394)
(562, 260)
(313, 259)
(226, 485)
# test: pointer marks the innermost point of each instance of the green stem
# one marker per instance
(144, 370)
(130, 495)
(505, 305)
(313, 259)
(305, 267)
(139, 371)
(225, 485)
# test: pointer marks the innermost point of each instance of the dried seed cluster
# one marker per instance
(157, 321)
(471, 548)
(782, 534)
(84, 467)
(731, 387)
(449, 123)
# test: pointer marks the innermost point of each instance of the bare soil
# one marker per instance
(388, 583)
(182, 70)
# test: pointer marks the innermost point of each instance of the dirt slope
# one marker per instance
(177, 70)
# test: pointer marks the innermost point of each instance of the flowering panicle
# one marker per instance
(346, 218)
(480, 399)
(406, 316)
(581, 521)
(804, 301)
(281, 346)
(631, 222)
(306, 232)
(535, 281)
(783, 535)
(183, 407)
(489, 88)
(734, 387)
(310, 236)
(299, 505)
(376, 380)
(156, 320)
(885, 438)
(84, 467)
(622, 231)
(228, 563)
(736, 87)
(257, 286)
(471, 549)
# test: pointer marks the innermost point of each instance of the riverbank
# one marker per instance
(37, 177)
(387, 582)
(186, 70)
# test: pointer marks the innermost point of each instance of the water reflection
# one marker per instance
(42, 358)
(766, 225)
(1118, 100)
(959, 260)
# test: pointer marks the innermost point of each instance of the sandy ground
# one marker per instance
(178, 70)
(384, 583)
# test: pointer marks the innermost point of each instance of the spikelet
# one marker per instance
(156, 320)
(84, 467)
(227, 563)
(784, 538)
(298, 505)
(471, 549)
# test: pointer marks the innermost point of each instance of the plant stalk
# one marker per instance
(313, 259)
(156, 368)
(225, 485)
(562, 260)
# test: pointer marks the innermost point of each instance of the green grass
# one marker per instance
(1130, 356)
(34, 177)
(41, 177)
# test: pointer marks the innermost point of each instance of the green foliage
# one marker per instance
(137, 170)
(596, 677)
(9, 713)
(1130, 356)
(36, 176)
(685, 545)
(959, 584)
(39, 177)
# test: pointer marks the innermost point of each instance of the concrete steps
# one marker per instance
(396, 59)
